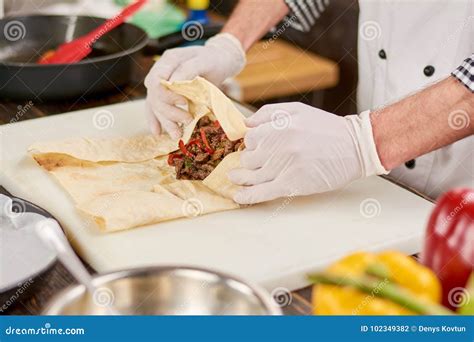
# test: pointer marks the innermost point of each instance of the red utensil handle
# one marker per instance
(118, 20)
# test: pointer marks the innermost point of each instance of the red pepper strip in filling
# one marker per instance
(183, 149)
(195, 142)
(206, 143)
(172, 157)
(217, 124)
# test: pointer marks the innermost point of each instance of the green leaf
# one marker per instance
(188, 163)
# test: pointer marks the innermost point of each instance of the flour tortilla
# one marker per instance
(123, 183)
(218, 180)
(134, 149)
(86, 181)
(199, 199)
(114, 194)
(205, 98)
(130, 209)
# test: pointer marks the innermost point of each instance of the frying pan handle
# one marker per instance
(176, 39)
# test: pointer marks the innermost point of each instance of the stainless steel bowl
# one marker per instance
(165, 291)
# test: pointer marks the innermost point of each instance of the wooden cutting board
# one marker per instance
(277, 68)
(274, 244)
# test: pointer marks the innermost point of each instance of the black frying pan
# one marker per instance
(24, 39)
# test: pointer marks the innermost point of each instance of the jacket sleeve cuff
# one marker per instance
(465, 73)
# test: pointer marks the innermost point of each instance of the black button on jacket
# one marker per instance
(429, 70)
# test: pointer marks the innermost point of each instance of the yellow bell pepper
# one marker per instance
(388, 283)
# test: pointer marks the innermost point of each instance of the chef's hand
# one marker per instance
(221, 57)
(293, 149)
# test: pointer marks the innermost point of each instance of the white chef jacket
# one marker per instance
(404, 46)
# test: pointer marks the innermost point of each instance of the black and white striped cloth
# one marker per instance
(465, 73)
(304, 13)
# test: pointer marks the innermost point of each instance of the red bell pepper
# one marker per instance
(207, 146)
(172, 157)
(184, 150)
(449, 242)
(194, 142)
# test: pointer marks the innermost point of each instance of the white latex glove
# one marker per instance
(220, 58)
(293, 149)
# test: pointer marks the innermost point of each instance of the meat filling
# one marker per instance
(204, 151)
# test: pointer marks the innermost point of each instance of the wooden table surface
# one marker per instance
(45, 286)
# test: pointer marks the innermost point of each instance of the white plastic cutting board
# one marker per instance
(274, 244)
